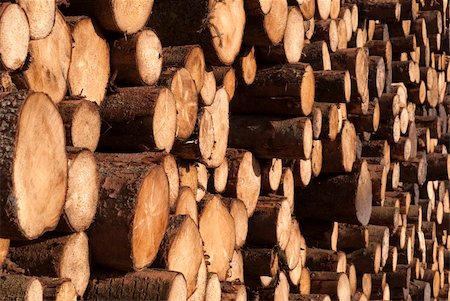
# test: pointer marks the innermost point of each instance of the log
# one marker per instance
(244, 178)
(354, 190)
(277, 289)
(181, 250)
(233, 292)
(292, 257)
(380, 235)
(257, 7)
(414, 171)
(147, 284)
(339, 155)
(326, 260)
(332, 86)
(270, 224)
(286, 90)
(336, 285)
(385, 216)
(239, 213)
(202, 275)
(213, 290)
(352, 237)
(87, 77)
(40, 17)
(367, 260)
(217, 229)
(61, 257)
(271, 171)
(82, 192)
(316, 158)
(4, 247)
(82, 123)
(31, 144)
(19, 287)
(209, 141)
(14, 45)
(236, 272)
(226, 78)
(190, 57)
(246, 66)
(220, 37)
(316, 54)
(139, 118)
(433, 278)
(323, 235)
(208, 90)
(309, 297)
(385, 11)
(219, 177)
(437, 167)
(202, 181)
(188, 174)
(377, 76)
(128, 192)
(267, 28)
(293, 136)
(186, 204)
(287, 186)
(50, 61)
(259, 263)
(58, 289)
(326, 30)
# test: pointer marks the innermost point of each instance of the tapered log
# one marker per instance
(340, 154)
(209, 141)
(32, 126)
(144, 285)
(385, 216)
(139, 118)
(219, 177)
(19, 287)
(244, 178)
(280, 88)
(208, 90)
(181, 250)
(293, 136)
(332, 86)
(87, 77)
(50, 61)
(326, 260)
(286, 187)
(81, 122)
(354, 190)
(226, 78)
(221, 38)
(14, 46)
(259, 263)
(82, 192)
(62, 257)
(336, 285)
(58, 289)
(137, 60)
(217, 229)
(270, 224)
(246, 66)
(129, 191)
(186, 204)
(316, 54)
(321, 235)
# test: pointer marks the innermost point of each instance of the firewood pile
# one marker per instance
(224, 150)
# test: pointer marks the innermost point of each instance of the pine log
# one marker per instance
(340, 154)
(352, 237)
(139, 118)
(208, 90)
(318, 234)
(326, 260)
(50, 61)
(326, 30)
(128, 192)
(82, 192)
(87, 77)
(217, 229)
(186, 204)
(332, 86)
(246, 66)
(181, 250)
(344, 198)
(293, 137)
(336, 285)
(220, 37)
(367, 260)
(19, 287)
(32, 145)
(40, 17)
(61, 257)
(433, 278)
(202, 181)
(188, 175)
(271, 171)
(4, 248)
(291, 254)
(270, 224)
(226, 78)
(219, 177)
(259, 263)
(380, 235)
(385, 216)
(244, 178)
(287, 186)
(147, 284)
(58, 289)
(377, 76)
(316, 54)
(414, 171)
(202, 278)
(236, 272)
(15, 33)
(437, 167)
(277, 289)
(238, 211)
(386, 11)
(81, 122)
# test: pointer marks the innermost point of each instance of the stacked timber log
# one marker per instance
(224, 150)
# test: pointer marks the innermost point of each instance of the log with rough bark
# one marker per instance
(270, 224)
(259, 263)
(14, 44)
(244, 178)
(326, 260)
(266, 29)
(336, 285)
(148, 284)
(286, 90)
(326, 30)
(332, 86)
(133, 204)
(209, 141)
(385, 11)
(82, 191)
(81, 122)
(87, 77)
(271, 171)
(367, 260)
(344, 198)
(61, 257)
(317, 55)
(139, 118)
(50, 61)
(438, 166)
(319, 234)
(19, 287)
(272, 137)
(181, 250)
(217, 229)
(33, 165)
(339, 155)
(352, 237)
(58, 289)
(220, 35)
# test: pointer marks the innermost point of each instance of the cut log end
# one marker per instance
(348, 143)
(40, 150)
(363, 199)
(148, 229)
(148, 56)
(249, 184)
(164, 124)
(129, 18)
(307, 91)
(40, 17)
(294, 36)
(15, 36)
(209, 88)
(85, 127)
(19, 287)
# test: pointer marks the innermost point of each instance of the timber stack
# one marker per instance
(224, 150)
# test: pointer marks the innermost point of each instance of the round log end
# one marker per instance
(165, 120)
(40, 166)
(333, 35)
(284, 223)
(34, 291)
(178, 289)
(293, 247)
(275, 21)
(221, 176)
(128, 18)
(148, 229)
(208, 90)
(148, 56)
(239, 213)
(294, 36)
(363, 199)
(15, 37)
(249, 185)
(187, 204)
(249, 66)
(40, 17)
(86, 124)
(348, 143)
(195, 64)
(343, 287)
